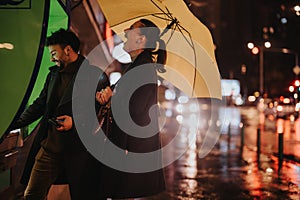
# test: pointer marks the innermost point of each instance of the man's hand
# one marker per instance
(65, 122)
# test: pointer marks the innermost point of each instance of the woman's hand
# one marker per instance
(65, 123)
(104, 95)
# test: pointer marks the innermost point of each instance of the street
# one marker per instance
(270, 128)
(219, 168)
(229, 171)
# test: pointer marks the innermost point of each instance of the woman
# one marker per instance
(147, 51)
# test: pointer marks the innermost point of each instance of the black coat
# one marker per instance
(41, 108)
(119, 184)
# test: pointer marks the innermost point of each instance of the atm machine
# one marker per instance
(24, 28)
(9, 149)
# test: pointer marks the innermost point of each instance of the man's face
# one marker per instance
(58, 55)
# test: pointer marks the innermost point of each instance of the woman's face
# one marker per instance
(134, 37)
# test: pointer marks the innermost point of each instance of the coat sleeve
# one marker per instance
(35, 110)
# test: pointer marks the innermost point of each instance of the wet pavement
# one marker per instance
(231, 172)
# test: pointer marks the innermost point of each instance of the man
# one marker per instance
(57, 148)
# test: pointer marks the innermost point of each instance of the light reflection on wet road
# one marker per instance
(227, 172)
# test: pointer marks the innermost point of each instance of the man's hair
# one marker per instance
(63, 38)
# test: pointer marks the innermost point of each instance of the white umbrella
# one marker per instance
(191, 64)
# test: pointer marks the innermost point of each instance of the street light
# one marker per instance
(267, 47)
(297, 10)
(256, 50)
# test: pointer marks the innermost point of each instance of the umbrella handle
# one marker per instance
(169, 26)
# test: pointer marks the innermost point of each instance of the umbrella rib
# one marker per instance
(193, 47)
(166, 13)
(166, 19)
(153, 14)
(173, 31)
(180, 28)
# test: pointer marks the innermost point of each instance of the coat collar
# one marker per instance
(55, 70)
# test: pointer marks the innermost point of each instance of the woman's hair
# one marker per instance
(63, 38)
(152, 33)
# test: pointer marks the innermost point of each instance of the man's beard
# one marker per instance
(59, 63)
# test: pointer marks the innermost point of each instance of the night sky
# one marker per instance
(234, 23)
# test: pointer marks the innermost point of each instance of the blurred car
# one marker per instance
(297, 110)
(287, 110)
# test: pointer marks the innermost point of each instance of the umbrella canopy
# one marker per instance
(191, 64)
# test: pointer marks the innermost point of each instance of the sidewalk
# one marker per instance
(275, 183)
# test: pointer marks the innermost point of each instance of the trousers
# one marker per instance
(82, 171)
(44, 172)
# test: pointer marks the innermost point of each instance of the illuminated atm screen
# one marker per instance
(23, 62)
